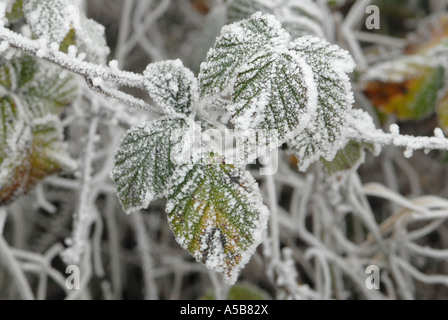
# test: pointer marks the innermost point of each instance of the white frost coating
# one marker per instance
(97, 81)
(360, 127)
(173, 86)
(325, 134)
(228, 209)
(47, 18)
(438, 133)
(237, 43)
(52, 20)
(143, 163)
(394, 129)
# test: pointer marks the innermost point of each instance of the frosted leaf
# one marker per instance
(349, 158)
(243, 9)
(143, 163)
(61, 22)
(39, 84)
(90, 38)
(274, 93)
(236, 45)
(302, 26)
(31, 139)
(325, 134)
(14, 10)
(50, 90)
(299, 18)
(216, 213)
(173, 86)
(33, 151)
(47, 19)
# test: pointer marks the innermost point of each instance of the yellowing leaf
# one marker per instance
(216, 213)
(31, 139)
(442, 111)
(33, 153)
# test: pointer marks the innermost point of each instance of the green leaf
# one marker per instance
(216, 213)
(349, 158)
(90, 38)
(50, 90)
(61, 22)
(16, 11)
(274, 93)
(241, 291)
(442, 110)
(237, 43)
(172, 86)
(145, 162)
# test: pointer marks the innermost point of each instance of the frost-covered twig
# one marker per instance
(143, 245)
(8, 260)
(84, 216)
(51, 53)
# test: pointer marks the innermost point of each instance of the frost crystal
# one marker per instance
(172, 86)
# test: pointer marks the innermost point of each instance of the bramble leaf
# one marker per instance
(61, 22)
(144, 162)
(33, 151)
(274, 93)
(216, 213)
(172, 86)
(442, 111)
(47, 19)
(31, 139)
(237, 43)
(349, 158)
(299, 18)
(325, 134)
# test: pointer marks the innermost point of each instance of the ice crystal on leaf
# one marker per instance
(47, 19)
(298, 91)
(237, 43)
(172, 86)
(325, 134)
(144, 162)
(216, 213)
(299, 18)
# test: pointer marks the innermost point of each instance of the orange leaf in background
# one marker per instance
(202, 6)
(410, 99)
